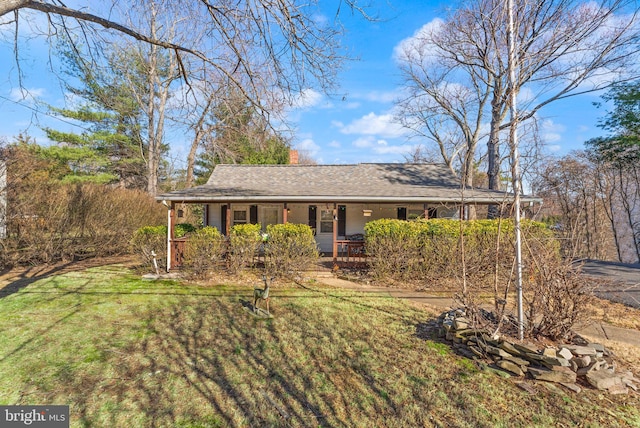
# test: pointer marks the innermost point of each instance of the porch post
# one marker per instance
(425, 207)
(228, 228)
(285, 210)
(170, 235)
(335, 232)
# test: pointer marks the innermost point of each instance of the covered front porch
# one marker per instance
(338, 227)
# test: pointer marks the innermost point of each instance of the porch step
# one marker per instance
(323, 274)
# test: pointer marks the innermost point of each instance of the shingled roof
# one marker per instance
(366, 182)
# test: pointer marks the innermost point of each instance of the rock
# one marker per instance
(572, 386)
(573, 365)
(618, 389)
(519, 361)
(582, 361)
(601, 379)
(581, 350)
(630, 384)
(597, 346)
(565, 353)
(547, 361)
(497, 351)
(510, 367)
(490, 340)
(558, 376)
(598, 365)
(460, 323)
(626, 375)
(476, 351)
(526, 386)
(549, 352)
(526, 348)
(507, 346)
(467, 332)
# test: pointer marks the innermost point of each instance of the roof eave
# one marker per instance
(344, 199)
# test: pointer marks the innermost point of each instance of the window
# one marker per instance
(326, 221)
(239, 217)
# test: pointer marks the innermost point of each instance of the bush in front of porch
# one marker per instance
(291, 249)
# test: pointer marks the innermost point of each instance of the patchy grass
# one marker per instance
(126, 352)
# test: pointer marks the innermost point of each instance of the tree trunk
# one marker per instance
(493, 159)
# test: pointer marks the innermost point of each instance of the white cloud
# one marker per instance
(381, 96)
(335, 144)
(306, 99)
(309, 147)
(382, 146)
(364, 142)
(372, 124)
(24, 94)
(418, 46)
(551, 132)
(525, 96)
(384, 149)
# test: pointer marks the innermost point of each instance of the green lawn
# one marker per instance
(124, 352)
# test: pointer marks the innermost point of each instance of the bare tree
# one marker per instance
(251, 46)
(564, 48)
(577, 201)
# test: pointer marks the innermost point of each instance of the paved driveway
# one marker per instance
(623, 280)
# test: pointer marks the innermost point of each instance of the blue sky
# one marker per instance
(356, 127)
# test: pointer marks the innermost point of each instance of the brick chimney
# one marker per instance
(293, 157)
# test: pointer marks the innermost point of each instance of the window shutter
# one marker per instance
(313, 217)
(402, 213)
(223, 219)
(253, 214)
(342, 220)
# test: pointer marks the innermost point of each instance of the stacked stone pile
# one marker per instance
(566, 364)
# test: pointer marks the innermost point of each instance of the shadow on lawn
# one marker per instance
(206, 360)
(19, 278)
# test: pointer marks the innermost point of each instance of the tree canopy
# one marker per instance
(622, 146)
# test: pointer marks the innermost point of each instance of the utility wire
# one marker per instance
(35, 110)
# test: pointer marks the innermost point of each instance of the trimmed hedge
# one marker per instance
(244, 243)
(291, 248)
(432, 249)
(203, 251)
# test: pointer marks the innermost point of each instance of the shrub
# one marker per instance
(148, 240)
(555, 294)
(244, 242)
(203, 251)
(182, 229)
(290, 249)
(431, 249)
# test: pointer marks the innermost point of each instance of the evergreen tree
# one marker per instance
(622, 146)
(103, 153)
(238, 135)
